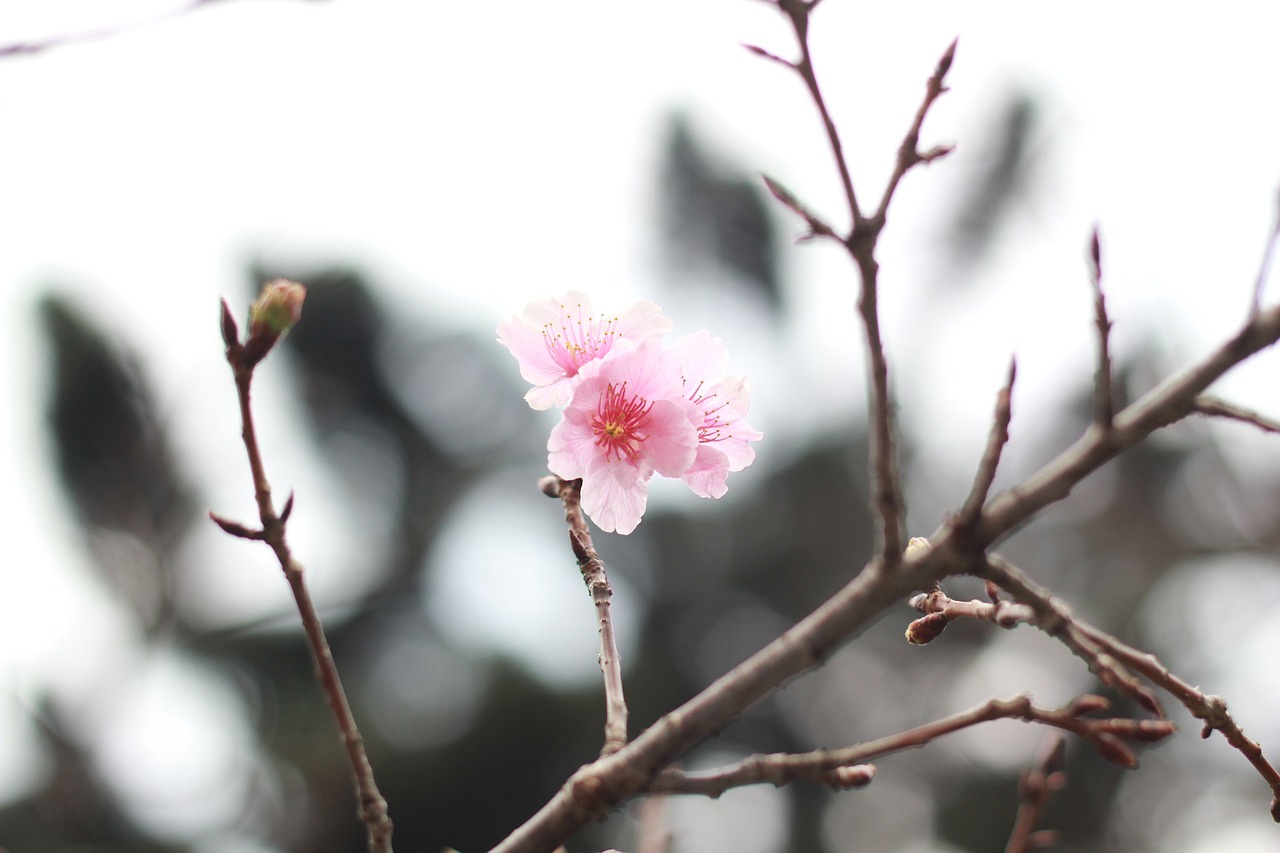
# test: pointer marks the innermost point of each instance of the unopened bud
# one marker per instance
(1116, 751)
(1087, 704)
(550, 486)
(927, 628)
(278, 309)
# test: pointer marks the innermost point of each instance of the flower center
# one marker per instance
(619, 422)
(573, 340)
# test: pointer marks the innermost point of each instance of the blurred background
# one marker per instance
(426, 170)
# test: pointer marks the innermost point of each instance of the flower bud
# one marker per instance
(278, 309)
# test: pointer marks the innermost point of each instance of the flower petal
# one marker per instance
(708, 473)
(614, 495)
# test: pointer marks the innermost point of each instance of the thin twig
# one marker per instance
(1055, 619)
(1209, 709)
(1103, 393)
(909, 154)
(1213, 407)
(1038, 784)
(996, 440)
(243, 358)
(34, 46)
(798, 11)
(597, 581)
(1121, 658)
(817, 227)
(1108, 736)
(1163, 405)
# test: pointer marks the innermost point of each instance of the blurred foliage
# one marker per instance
(444, 410)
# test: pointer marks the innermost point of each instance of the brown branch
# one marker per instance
(1213, 407)
(939, 609)
(1055, 619)
(243, 358)
(1038, 784)
(1209, 709)
(35, 46)
(1108, 736)
(861, 242)
(1165, 404)
(593, 575)
(1122, 660)
(996, 440)
(797, 12)
(909, 155)
(1103, 393)
(817, 227)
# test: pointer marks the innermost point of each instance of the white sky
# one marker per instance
(476, 156)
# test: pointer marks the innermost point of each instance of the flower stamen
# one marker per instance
(619, 422)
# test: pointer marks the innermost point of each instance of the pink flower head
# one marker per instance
(555, 338)
(721, 403)
(627, 420)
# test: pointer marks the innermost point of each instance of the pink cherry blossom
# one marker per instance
(555, 338)
(722, 403)
(627, 420)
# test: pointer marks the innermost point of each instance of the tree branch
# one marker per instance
(1108, 736)
(243, 358)
(1121, 658)
(1038, 784)
(597, 581)
(1103, 394)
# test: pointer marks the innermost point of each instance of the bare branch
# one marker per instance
(243, 358)
(1055, 619)
(1103, 393)
(597, 581)
(1121, 658)
(817, 227)
(1213, 407)
(772, 57)
(1108, 736)
(798, 11)
(1168, 403)
(29, 48)
(909, 154)
(1038, 784)
(1209, 709)
(996, 441)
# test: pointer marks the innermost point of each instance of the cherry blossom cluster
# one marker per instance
(632, 407)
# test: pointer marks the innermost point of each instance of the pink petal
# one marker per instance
(572, 449)
(614, 495)
(529, 347)
(708, 474)
(671, 442)
(642, 321)
(702, 359)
